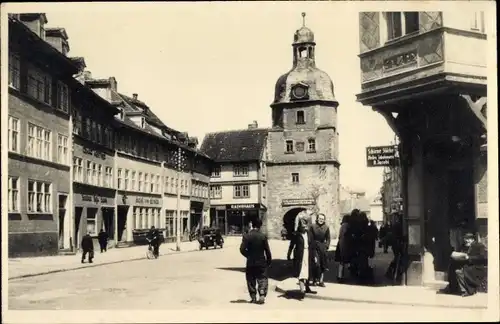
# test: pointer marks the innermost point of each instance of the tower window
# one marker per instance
(311, 145)
(295, 178)
(289, 146)
(303, 52)
(300, 117)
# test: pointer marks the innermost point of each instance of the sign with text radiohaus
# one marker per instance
(381, 156)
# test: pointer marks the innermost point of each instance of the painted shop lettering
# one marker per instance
(94, 198)
(141, 200)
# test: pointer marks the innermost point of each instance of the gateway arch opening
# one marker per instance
(289, 220)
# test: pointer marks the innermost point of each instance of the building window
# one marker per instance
(14, 71)
(158, 182)
(93, 131)
(13, 194)
(13, 132)
(100, 138)
(39, 197)
(311, 145)
(300, 117)
(216, 172)
(289, 146)
(99, 175)
(62, 149)
(77, 121)
(62, 97)
(169, 223)
(109, 177)
(412, 24)
(295, 178)
(152, 183)
(240, 170)
(132, 181)
(119, 179)
(216, 191)
(241, 191)
(477, 23)
(139, 188)
(146, 182)
(77, 169)
(95, 181)
(125, 180)
(39, 85)
(396, 27)
(39, 142)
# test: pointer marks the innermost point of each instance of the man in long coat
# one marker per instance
(320, 233)
(87, 247)
(255, 248)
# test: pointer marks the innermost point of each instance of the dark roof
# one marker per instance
(236, 145)
(150, 115)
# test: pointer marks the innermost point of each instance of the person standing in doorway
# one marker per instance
(103, 240)
(320, 233)
(87, 248)
(255, 248)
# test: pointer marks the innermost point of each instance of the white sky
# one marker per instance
(206, 67)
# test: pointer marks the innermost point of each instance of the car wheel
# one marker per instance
(201, 247)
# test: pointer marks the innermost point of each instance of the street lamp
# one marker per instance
(180, 165)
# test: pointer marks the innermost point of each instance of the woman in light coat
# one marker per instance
(303, 254)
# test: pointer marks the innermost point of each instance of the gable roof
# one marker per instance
(236, 145)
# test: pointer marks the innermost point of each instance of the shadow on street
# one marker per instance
(281, 269)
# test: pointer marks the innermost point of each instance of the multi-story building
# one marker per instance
(39, 139)
(238, 192)
(391, 192)
(433, 94)
(302, 163)
(94, 189)
(148, 173)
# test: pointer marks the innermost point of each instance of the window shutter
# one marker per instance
(369, 30)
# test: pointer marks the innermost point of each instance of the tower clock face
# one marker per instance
(299, 92)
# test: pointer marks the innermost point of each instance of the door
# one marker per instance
(78, 218)
(62, 215)
(122, 221)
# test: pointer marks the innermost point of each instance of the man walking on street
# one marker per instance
(87, 247)
(103, 240)
(255, 247)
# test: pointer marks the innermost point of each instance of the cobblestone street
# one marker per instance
(209, 279)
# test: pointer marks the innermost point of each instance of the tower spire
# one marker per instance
(303, 19)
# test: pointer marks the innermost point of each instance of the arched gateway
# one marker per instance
(289, 219)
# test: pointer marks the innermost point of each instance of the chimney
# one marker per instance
(113, 84)
(253, 125)
(58, 38)
(36, 22)
(193, 142)
(134, 95)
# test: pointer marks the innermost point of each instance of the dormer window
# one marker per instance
(143, 122)
(300, 117)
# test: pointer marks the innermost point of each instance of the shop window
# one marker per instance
(91, 221)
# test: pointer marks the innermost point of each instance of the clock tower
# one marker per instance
(302, 159)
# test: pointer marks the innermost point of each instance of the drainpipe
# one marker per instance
(115, 218)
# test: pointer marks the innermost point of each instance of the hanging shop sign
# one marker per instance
(381, 156)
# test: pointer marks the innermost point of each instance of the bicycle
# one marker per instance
(150, 253)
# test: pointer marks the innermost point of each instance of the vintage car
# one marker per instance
(210, 237)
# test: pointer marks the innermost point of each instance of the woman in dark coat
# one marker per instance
(343, 250)
(320, 233)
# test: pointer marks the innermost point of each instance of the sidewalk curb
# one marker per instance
(94, 265)
(278, 289)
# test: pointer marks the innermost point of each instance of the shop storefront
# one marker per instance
(234, 219)
(94, 210)
(138, 212)
(196, 215)
(170, 218)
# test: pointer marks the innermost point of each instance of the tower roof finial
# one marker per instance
(303, 19)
